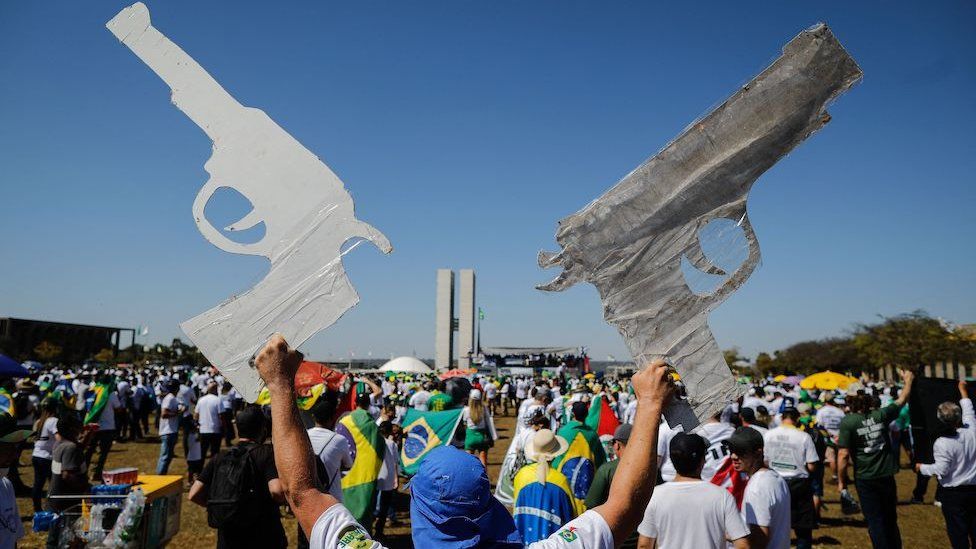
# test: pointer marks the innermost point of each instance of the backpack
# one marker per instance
(232, 489)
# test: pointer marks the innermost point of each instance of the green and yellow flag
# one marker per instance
(424, 431)
(101, 393)
(367, 446)
(304, 402)
(7, 403)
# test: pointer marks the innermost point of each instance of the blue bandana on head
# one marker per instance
(453, 506)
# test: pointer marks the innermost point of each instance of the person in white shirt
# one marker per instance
(388, 479)
(331, 448)
(690, 513)
(766, 500)
(714, 432)
(452, 502)
(105, 436)
(748, 418)
(207, 416)
(418, 400)
(46, 427)
(955, 467)
(170, 411)
(791, 453)
(829, 417)
(12, 440)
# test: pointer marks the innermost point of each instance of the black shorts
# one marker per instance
(802, 513)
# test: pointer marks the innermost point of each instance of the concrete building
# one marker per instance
(466, 319)
(444, 324)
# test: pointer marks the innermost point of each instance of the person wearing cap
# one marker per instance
(688, 512)
(479, 430)
(12, 439)
(864, 437)
(791, 453)
(766, 499)
(955, 467)
(600, 488)
(544, 500)
(452, 505)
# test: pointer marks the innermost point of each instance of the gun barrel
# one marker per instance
(195, 92)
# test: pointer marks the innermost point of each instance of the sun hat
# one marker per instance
(452, 504)
(9, 431)
(545, 446)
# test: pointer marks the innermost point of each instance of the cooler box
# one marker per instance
(123, 475)
(164, 500)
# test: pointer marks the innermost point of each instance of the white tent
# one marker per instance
(406, 364)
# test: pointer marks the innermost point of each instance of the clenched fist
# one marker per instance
(277, 363)
(654, 383)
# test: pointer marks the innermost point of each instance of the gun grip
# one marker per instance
(213, 234)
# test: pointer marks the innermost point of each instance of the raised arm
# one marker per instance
(633, 483)
(293, 454)
(908, 376)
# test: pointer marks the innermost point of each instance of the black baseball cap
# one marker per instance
(748, 414)
(690, 446)
(744, 440)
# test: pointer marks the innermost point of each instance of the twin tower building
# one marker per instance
(447, 324)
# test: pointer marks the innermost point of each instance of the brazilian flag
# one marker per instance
(583, 457)
(97, 400)
(424, 431)
(303, 402)
(7, 403)
(367, 447)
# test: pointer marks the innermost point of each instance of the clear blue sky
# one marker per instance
(464, 131)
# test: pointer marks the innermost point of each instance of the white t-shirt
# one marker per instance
(664, 435)
(419, 400)
(333, 450)
(208, 411)
(337, 529)
(715, 434)
(187, 398)
(387, 477)
(788, 450)
(170, 425)
(829, 418)
(106, 421)
(45, 439)
(11, 529)
(692, 515)
(753, 402)
(762, 430)
(766, 502)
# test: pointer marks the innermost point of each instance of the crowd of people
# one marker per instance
(591, 461)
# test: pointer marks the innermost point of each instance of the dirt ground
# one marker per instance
(921, 525)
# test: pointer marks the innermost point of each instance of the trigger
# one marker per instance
(251, 219)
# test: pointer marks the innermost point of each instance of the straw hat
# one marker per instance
(546, 446)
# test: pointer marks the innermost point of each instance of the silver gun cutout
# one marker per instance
(630, 242)
(307, 214)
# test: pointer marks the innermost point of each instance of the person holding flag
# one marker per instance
(101, 402)
(368, 448)
(585, 453)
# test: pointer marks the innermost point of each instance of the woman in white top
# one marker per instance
(479, 436)
(45, 427)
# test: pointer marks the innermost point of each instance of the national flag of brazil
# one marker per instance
(96, 401)
(7, 403)
(583, 457)
(367, 447)
(424, 431)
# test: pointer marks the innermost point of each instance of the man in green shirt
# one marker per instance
(440, 400)
(600, 489)
(864, 436)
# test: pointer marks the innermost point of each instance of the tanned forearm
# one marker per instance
(633, 482)
(294, 458)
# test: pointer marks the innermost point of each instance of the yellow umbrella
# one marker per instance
(589, 376)
(827, 381)
(779, 378)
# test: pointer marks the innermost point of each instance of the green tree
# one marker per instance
(912, 340)
(47, 351)
(764, 364)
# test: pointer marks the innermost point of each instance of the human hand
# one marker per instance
(907, 376)
(277, 363)
(963, 388)
(918, 467)
(653, 383)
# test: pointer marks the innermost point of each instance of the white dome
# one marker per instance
(407, 364)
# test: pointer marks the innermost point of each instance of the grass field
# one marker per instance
(921, 525)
